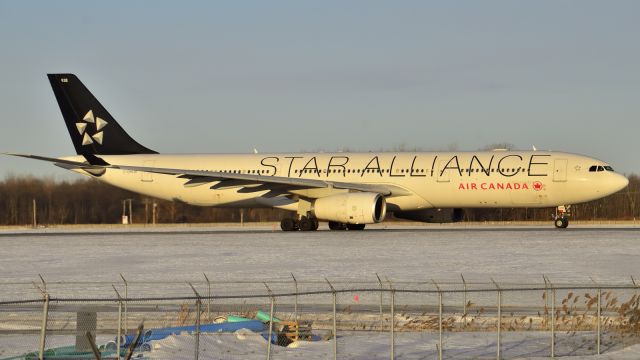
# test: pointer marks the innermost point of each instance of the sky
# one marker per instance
(289, 76)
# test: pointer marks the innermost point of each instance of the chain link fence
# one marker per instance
(317, 320)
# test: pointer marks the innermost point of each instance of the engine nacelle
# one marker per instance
(432, 215)
(351, 208)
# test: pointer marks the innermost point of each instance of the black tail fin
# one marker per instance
(92, 129)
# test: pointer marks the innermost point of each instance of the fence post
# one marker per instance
(440, 318)
(44, 283)
(381, 313)
(393, 318)
(118, 338)
(553, 319)
(393, 323)
(198, 311)
(546, 296)
(498, 342)
(335, 326)
(43, 330)
(208, 297)
(126, 297)
(295, 305)
(464, 301)
(599, 320)
(270, 321)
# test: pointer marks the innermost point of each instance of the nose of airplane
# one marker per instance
(617, 182)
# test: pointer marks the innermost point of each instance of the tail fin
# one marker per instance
(92, 129)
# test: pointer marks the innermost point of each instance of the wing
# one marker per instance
(246, 183)
(255, 183)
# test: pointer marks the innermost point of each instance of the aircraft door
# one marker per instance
(560, 170)
(147, 176)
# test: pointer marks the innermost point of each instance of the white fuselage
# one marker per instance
(431, 179)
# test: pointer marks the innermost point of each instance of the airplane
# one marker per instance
(348, 190)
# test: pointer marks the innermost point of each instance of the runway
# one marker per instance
(263, 230)
(504, 253)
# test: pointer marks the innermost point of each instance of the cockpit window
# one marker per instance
(598, 168)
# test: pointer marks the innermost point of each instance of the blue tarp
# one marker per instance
(226, 327)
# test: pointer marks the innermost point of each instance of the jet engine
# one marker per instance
(432, 215)
(351, 208)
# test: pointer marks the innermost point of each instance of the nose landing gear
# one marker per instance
(561, 217)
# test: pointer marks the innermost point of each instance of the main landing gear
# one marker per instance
(561, 217)
(333, 225)
(311, 224)
(304, 224)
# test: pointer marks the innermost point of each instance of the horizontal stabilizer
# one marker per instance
(68, 163)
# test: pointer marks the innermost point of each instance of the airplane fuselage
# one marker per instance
(431, 179)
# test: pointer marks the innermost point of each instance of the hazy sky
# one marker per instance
(287, 76)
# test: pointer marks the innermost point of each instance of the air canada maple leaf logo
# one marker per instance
(537, 186)
(90, 128)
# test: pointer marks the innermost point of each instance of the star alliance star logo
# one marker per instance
(98, 135)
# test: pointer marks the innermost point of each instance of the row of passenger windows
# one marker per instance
(595, 168)
(415, 171)
(243, 171)
(355, 171)
(382, 171)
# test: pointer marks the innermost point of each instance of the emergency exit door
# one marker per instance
(147, 176)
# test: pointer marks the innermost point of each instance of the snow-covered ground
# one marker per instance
(506, 254)
(358, 346)
(94, 258)
(408, 346)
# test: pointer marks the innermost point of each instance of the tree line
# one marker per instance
(89, 201)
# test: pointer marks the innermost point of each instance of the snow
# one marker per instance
(359, 346)
(520, 254)
(158, 261)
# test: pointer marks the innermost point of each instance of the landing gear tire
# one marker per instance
(355, 226)
(334, 225)
(561, 223)
(306, 224)
(288, 224)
